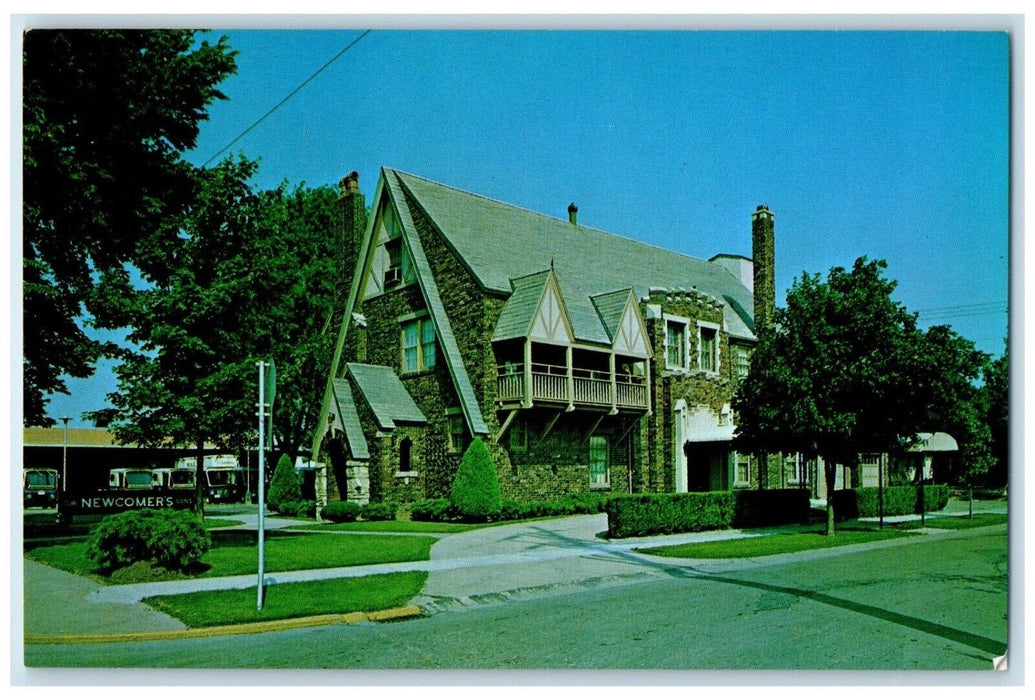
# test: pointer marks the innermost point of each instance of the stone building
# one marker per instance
(585, 361)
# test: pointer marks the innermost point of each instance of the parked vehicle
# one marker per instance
(175, 479)
(39, 488)
(129, 479)
(224, 478)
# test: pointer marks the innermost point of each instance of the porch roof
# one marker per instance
(389, 400)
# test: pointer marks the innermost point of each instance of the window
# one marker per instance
(792, 468)
(741, 361)
(518, 436)
(708, 349)
(457, 431)
(393, 273)
(675, 344)
(405, 449)
(742, 477)
(598, 462)
(418, 345)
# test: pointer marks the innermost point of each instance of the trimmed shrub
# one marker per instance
(341, 512)
(666, 513)
(435, 510)
(898, 500)
(284, 487)
(476, 488)
(378, 511)
(171, 539)
(754, 508)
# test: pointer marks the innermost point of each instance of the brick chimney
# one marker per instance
(763, 254)
(573, 214)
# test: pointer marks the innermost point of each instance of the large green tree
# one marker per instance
(844, 370)
(249, 279)
(994, 404)
(106, 116)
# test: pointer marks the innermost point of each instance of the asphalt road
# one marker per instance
(939, 604)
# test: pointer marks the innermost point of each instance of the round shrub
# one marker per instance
(341, 511)
(171, 539)
(476, 488)
(435, 510)
(378, 511)
(284, 487)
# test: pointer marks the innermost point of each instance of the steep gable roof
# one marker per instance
(500, 242)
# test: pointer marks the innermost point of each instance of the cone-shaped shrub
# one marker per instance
(284, 487)
(476, 488)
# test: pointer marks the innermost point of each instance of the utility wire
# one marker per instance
(288, 97)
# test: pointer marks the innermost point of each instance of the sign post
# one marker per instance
(267, 376)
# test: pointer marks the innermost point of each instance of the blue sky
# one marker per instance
(892, 145)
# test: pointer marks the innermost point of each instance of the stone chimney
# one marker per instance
(573, 214)
(763, 254)
(351, 225)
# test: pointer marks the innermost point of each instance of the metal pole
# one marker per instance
(880, 489)
(262, 469)
(64, 456)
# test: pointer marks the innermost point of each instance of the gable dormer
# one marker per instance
(550, 323)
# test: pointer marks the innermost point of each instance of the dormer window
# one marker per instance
(393, 273)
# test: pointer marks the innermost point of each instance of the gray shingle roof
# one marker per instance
(385, 394)
(500, 242)
(349, 419)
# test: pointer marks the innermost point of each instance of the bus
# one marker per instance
(224, 478)
(39, 488)
(176, 479)
(129, 479)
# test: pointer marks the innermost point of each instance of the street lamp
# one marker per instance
(64, 456)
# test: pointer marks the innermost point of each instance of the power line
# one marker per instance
(288, 97)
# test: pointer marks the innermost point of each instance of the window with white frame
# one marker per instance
(741, 356)
(707, 348)
(598, 462)
(675, 343)
(742, 470)
(418, 345)
(792, 468)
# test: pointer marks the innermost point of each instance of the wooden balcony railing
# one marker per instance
(550, 383)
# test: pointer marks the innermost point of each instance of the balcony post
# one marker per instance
(527, 402)
(570, 378)
(614, 385)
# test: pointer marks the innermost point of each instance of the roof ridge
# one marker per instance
(554, 219)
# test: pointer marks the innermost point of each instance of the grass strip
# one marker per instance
(236, 552)
(291, 600)
(407, 526)
(955, 522)
(766, 545)
(211, 523)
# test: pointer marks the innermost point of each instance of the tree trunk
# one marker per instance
(199, 480)
(830, 472)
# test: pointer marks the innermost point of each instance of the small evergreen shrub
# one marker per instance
(341, 512)
(284, 487)
(476, 488)
(303, 509)
(378, 511)
(434, 510)
(666, 513)
(171, 539)
(754, 508)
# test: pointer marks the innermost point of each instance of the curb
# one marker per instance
(355, 618)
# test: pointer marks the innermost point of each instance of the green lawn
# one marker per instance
(211, 523)
(955, 522)
(765, 545)
(236, 552)
(289, 600)
(409, 526)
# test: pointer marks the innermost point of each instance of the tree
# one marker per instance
(844, 370)
(475, 492)
(994, 404)
(249, 279)
(107, 115)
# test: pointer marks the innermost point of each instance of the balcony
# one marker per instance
(554, 384)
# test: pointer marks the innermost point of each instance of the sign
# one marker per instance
(107, 502)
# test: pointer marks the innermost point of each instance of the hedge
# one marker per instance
(341, 511)
(441, 510)
(378, 511)
(665, 513)
(898, 500)
(771, 507)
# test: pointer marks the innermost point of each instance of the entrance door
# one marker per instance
(707, 465)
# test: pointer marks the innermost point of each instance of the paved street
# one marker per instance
(939, 603)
